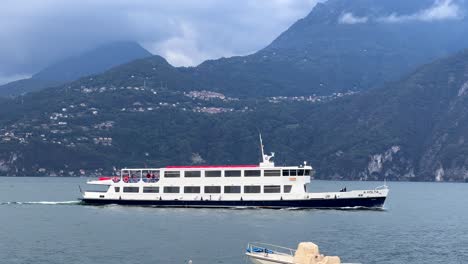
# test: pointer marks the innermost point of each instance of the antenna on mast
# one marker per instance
(261, 146)
(266, 159)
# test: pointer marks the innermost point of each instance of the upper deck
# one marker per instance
(229, 173)
(212, 180)
(262, 178)
(264, 173)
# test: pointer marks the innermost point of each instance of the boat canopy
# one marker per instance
(308, 253)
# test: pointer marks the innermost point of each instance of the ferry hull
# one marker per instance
(341, 203)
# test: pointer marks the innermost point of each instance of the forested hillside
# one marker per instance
(413, 129)
(308, 93)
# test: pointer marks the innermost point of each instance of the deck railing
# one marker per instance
(137, 175)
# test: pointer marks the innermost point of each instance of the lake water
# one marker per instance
(41, 223)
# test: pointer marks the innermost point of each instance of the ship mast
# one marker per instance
(261, 147)
(266, 159)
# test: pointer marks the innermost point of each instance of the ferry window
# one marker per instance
(251, 189)
(212, 173)
(292, 172)
(300, 172)
(170, 189)
(285, 172)
(192, 189)
(117, 189)
(252, 173)
(192, 174)
(307, 173)
(232, 173)
(171, 174)
(131, 189)
(151, 189)
(212, 189)
(272, 173)
(287, 188)
(232, 189)
(271, 189)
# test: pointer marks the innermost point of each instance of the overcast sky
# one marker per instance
(35, 33)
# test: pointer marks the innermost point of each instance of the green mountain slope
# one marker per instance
(149, 113)
(413, 129)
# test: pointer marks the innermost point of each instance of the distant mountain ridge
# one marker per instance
(324, 54)
(92, 62)
(320, 54)
(339, 46)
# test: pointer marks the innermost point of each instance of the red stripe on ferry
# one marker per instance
(104, 178)
(211, 166)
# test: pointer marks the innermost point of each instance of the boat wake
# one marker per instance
(42, 203)
(361, 208)
(292, 208)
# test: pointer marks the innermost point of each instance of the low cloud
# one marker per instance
(440, 10)
(11, 78)
(35, 33)
(350, 19)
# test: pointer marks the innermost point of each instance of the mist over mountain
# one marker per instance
(92, 62)
(342, 46)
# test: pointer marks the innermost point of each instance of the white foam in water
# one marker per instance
(293, 208)
(42, 202)
(54, 203)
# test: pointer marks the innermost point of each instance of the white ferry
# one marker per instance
(264, 185)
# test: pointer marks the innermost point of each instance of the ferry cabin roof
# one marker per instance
(199, 179)
(226, 171)
(211, 176)
(211, 180)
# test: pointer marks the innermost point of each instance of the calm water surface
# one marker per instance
(41, 223)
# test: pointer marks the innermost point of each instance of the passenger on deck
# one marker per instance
(148, 177)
